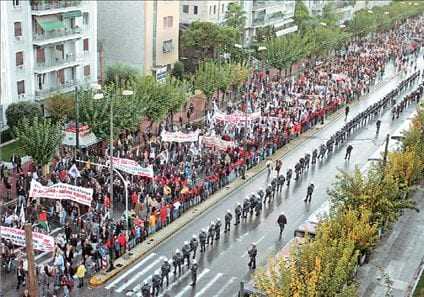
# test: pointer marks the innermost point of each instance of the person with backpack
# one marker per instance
(80, 274)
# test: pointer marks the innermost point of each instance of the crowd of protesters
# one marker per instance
(186, 174)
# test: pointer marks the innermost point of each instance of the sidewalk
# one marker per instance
(167, 233)
(398, 257)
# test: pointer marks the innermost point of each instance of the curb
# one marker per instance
(125, 261)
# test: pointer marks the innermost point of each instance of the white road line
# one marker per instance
(138, 287)
(137, 276)
(204, 272)
(242, 236)
(210, 283)
(174, 283)
(123, 276)
(225, 287)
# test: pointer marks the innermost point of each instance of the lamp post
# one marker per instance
(99, 96)
(77, 144)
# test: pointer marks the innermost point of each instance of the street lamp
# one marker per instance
(99, 96)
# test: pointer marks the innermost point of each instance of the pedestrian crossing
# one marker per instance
(209, 283)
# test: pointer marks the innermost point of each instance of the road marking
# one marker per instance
(204, 272)
(112, 284)
(210, 283)
(137, 276)
(242, 236)
(225, 286)
(138, 287)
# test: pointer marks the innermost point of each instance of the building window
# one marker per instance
(16, 3)
(85, 44)
(85, 19)
(167, 21)
(41, 57)
(210, 10)
(167, 46)
(21, 87)
(222, 8)
(214, 9)
(18, 29)
(195, 9)
(86, 71)
(186, 9)
(19, 58)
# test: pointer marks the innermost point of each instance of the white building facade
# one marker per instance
(262, 13)
(204, 11)
(46, 47)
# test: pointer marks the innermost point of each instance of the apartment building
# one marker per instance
(46, 47)
(142, 34)
(262, 13)
(204, 11)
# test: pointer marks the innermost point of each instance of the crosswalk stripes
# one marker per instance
(144, 271)
(134, 268)
(200, 276)
(210, 284)
(229, 283)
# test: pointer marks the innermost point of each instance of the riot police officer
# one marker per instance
(297, 171)
(307, 160)
(280, 182)
(252, 202)
(289, 176)
(194, 269)
(178, 261)
(145, 289)
(227, 219)
(194, 243)
(246, 206)
(237, 212)
(309, 192)
(218, 225)
(202, 240)
(273, 186)
(252, 252)
(156, 281)
(314, 156)
(211, 233)
(258, 206)
(186, 253)
(282, 221)
(165, 270)
(268, 193)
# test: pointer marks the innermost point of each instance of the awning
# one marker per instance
(72, 14)
(50, 25)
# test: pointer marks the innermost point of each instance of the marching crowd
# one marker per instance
(186, 174)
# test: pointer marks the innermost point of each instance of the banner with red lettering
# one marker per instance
(62, 191)
(220, 144)
(180, 136)
(236, 117)
(132, 167)
(40, 241)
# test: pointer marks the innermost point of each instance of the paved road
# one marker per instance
(223, 266)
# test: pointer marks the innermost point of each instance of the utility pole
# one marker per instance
(32, 275)
(386, 151)
(77, 143)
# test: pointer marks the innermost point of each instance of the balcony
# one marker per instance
(53, 7)
(55, 64)
(59, 88)
(54, 36)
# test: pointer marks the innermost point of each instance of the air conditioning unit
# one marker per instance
(18, 38)
(20, 67)
(21, 96)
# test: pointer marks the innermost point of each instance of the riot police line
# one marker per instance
(254, 203)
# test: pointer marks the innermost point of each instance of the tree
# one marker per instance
(207, 78)
(120, 73)
(39, 138)
(178, 70)
(329, 15)
(302, 17)
(235, 18)
(61, 106)
(15, 112)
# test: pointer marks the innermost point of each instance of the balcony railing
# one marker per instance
(41, 5)
(56, 34)
(56, 88)
(54, 62)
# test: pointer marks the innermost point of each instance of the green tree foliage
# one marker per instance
(235, 18)
(178, 70)
(265, 34)
(302, 17)
(120, 73)
(15, 112)
(208, 38)
(61, 106)
(39, 138)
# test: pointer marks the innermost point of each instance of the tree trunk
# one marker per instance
(45, 169)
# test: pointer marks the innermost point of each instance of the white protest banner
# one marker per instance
(220, 144)
(132, 167)
(40, 241)
(180, 136)
(236, 117)
(61, 191)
